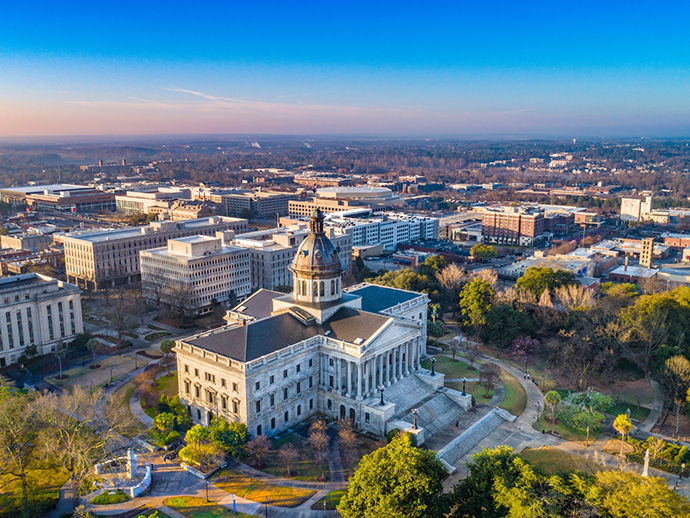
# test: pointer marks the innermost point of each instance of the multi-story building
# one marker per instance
(518, 226)
(387, 228)
(112, 256)
(37, 311)
(142, 202)
(634, 208)
(320, 350)
(271, 252)
(196, 271)
(676, 240)
(17, 195)
(266, 204)
(32, 241)
(80, 201)
(341, 199)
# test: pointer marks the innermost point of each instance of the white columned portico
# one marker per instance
(349, 379)
(367, 373)
(359, 382)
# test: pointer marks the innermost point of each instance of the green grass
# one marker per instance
(636, 413)
(515, 399)
(44, 492)
(553, 461)
(164, 385)
(122, 397)
(155, 328)
(155, 336)
(237, 483)
(151, 513)
(459, 369)
(195, 507)
(305, 468)
(475, 388)
(332, 500)
(106, 498)
(565, 433)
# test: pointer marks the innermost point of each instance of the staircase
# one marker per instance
(407, 392)
(462, 445)
(437, 411)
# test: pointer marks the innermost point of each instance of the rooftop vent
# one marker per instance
(359, 341)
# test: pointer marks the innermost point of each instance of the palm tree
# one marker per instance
(622, 425)
(553, 399)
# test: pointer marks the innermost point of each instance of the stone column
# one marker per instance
(359, 382)
(349, 379)
(408, 355)
(399, 352)
(367, 373)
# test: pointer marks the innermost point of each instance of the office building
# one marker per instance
(196, 271)
(78, 200)
(517, 226)
(33, 241)
(37, 311)
(112, 256)
(635, 208)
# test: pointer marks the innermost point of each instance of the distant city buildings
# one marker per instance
(517, 226)
(196, 272)
(112, 256)
(341, 199)
(37, 311)
(635, 208)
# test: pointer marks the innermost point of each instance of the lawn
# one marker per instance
(155, 336)
(122, 397)
(234, 482)
(553, 461)
(475, 388)
(332, 500)
(148, 514)
(515, 399)
(84, 376)
(110, 497)
(195, 507)
(451, 369)
(538, 370)
(565, 433)
(164, 385)
(636, 413)
(305, 468)
(44, 492)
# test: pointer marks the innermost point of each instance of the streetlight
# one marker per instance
(433, 366)
(588, 436)
(206, 480)
(111, 374)
(525, 367)
(91, 382)
(266, 507)
(464, 380)
(381, 388)
(415, 411)
(234, 507)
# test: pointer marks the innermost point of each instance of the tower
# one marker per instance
(647, 252)
(316, 269)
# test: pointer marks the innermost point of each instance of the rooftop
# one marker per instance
(378, 298)
(259, 305)
(262, 337)
(634, 271)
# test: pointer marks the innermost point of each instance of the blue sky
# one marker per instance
(404, 68)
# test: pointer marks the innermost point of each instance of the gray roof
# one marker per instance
(377, 298)
(262, 337)
(259, 305)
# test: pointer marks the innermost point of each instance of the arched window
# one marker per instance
(304, 288)
(332, 287)
(323, 288)
(316, 289)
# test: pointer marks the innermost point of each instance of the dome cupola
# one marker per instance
(316, 267)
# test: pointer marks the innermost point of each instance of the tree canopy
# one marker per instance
(536, 279)
(475, 301)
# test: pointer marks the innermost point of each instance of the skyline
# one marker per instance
(409, 71)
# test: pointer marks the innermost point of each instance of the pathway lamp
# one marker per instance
(433, 366)
(415, 411)
(381, 388)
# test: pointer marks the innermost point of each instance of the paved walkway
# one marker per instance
(656, 409)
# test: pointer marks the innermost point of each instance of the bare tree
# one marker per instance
(79, 429)
(454, 346)
(488, 274)
(289, 454)
(319, 441)
(574, 296)
(452, 278)
(675, 380)
(178, 297)
(258, 447)
(489, 375)
(651, 285)
(347, 439)
(123, 317)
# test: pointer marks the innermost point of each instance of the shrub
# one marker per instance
(108, 499)
(392, 434)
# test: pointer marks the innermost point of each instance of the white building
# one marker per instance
(36, 310)
(634, 208)
(112, 256)
(320, 349)
(271, 252)
(203, 269)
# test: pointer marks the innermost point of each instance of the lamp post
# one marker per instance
(433, 366)
(234, 507)
(588, 436)
(464, 380)
(415, 411)
(206, 490)
(111, 374)
(525, 367)
(266, 507)
(91, 382)
(538, 408)
(381, 388)
(543, 382)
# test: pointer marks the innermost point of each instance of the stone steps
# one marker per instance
(407, 392)
(463, 444)
(435, 413)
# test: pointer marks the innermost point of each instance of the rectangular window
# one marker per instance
(330, 380)
(235, 407)
(234, 387)
(270, 380)
(51, 332)
(62, 319)
(186, 387)
(30, 323)
(258, 430)
(209, 396)
(311, 382)
(330, 362)
(285, 393)
(273, 399)
(257, 385)
(222, 382)
(20, 328)
(299, 410)
(258, 406)
(311, 404)
(286, 416)
(196, 372)
(196, 391)
(299, 387)
(285, 373)
(330, 405)
(298, 368)
(366, 417)
(273, 422)
(186, 368)
(311, 362)
(10, 338)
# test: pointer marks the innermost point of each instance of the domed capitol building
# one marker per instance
(320, 350)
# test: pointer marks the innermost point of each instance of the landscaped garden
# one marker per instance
(553, 461)
(515, 399)
(155, 336)
(167, 385)
(331, 500)
(453, 369)
(475, 388)
(195, 507)
(242, 485)
(84, 376)
(110, 497)
(302, 468)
